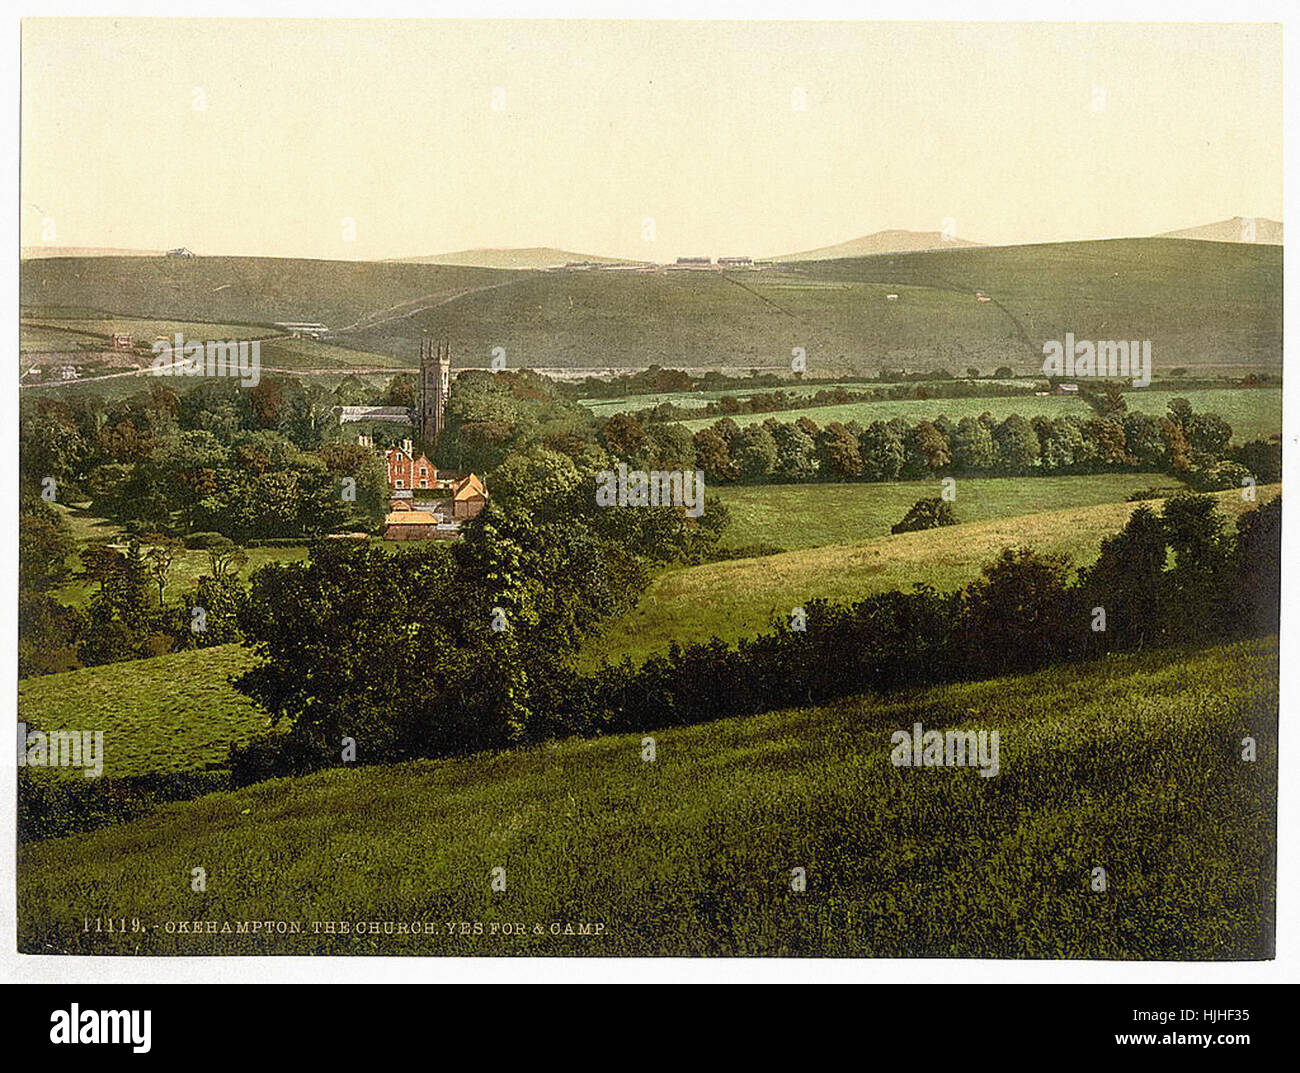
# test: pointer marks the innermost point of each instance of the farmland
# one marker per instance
(740, 597)
(791, 517)
(1129, 764)
(1253, 413)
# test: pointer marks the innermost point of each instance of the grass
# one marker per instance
(143, 330)
(1253, 413)
(187, 566)
(741, 597)
(795, 516)
(1199, 302)
(1129, 764)
(170, 713)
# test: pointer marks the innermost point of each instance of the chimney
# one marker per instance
(407, 445)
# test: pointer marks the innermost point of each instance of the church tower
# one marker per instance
(435, 386)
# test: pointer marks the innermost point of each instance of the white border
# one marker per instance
(651, 970)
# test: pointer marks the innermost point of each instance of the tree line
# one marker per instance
(353, 651)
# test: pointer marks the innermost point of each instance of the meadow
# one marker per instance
(170, 713)
(1130, 764)
(795, 516)
(740, 597)
(1253, 413)
(187, 566)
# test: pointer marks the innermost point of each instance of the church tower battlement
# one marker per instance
(434, 387)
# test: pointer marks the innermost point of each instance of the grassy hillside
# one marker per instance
(791, 517)
(187, 566)
(170, 713)
(740, 597)
(1253, 413)
(1129, 764)
(1198, 302)
(247, 290)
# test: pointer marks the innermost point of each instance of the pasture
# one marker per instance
(1129, 764)
(794, 516)
(740, 597)
(1253, 413)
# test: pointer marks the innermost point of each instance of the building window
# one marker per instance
(424, 484)
(424, 472)
(399, 482)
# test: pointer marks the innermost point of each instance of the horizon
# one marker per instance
(967, 243)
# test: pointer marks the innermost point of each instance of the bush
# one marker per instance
(926, 514)
(1219, 477)
(270, 756)
(204, 541)
(52, 805)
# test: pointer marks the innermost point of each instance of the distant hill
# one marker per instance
(1267, 232)
(534, 257)
(1199, 302)
(881, 242)
(28, 253)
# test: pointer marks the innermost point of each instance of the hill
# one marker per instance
(535, 257)
(170, 713)
(1128, 764)
(881, 242)
(1199, 302)
(1235, 230)
(179, 711)
(740, 597)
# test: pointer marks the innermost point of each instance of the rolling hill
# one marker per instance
(34, 252)
(738, 598)
(1201, 303)
(1236, 229)
(881, 242)
(1127, 763)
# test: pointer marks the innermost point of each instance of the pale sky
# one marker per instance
(263, 137)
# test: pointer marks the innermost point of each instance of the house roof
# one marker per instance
(410, 517)
(468, 487)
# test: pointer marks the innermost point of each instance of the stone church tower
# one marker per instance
(435, 386)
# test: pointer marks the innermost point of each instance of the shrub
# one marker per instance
(926, 514)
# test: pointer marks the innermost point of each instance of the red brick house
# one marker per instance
(408, 470)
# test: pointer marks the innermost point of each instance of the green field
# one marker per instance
(1253, 413)
(187, 567)
(730, 599)
(171, 713)
(1199, 303)
(741, 597)
(794, 516)
(143, 330)
(1128, 764)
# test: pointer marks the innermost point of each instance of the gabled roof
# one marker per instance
(468, 487)
(410, 517)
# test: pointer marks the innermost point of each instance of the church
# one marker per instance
(423, 503)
